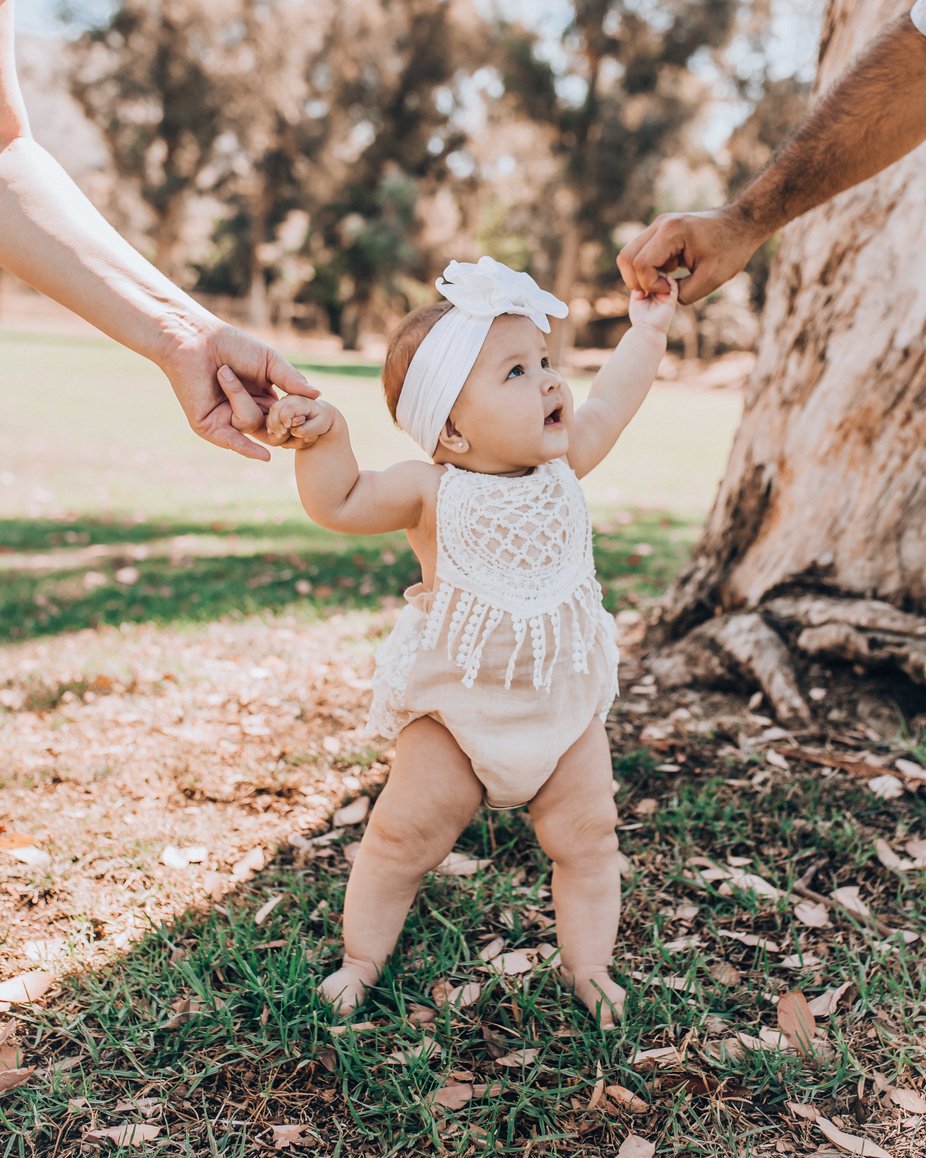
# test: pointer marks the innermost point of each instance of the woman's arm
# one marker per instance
(13, 120)
(57, 242)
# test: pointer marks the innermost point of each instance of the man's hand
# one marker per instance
(192, 364)
(712, 245)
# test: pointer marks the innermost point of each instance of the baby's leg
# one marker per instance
(429, 798)
(574, 817)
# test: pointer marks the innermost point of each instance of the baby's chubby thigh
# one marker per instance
(429, 798)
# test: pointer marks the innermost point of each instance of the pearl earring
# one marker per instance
(461, 444)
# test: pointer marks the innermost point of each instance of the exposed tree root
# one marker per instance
(747, 645)
(865, 631)
(730, 645)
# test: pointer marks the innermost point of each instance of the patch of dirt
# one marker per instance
(120, 743)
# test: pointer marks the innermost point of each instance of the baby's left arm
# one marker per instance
(623, 381)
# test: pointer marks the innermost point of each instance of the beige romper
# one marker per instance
(512, 651)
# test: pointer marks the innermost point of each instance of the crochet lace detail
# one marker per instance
(521, 548)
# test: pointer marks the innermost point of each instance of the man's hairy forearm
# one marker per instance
(870, 118)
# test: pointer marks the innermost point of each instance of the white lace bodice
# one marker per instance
(516, 547)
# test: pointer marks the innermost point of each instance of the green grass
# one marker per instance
(115, 485)
(260, 1048)
(112, 512)
(184, 572)
(89, 428)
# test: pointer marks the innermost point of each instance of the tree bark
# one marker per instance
(825, 490)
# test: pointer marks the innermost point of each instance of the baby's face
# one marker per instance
(514, 410)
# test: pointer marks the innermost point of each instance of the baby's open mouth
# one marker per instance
(552, 418)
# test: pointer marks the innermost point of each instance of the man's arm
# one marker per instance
(56, 241)
(871, 117)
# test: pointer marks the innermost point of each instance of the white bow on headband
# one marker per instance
(480, 293)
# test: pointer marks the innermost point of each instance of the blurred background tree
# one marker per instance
(315, 163)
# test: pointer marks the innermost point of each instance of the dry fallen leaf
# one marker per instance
(457, 865)
(628, 1099)
(464, 995)
(750, 939)
(650, 1058)
(908, 1100)
(492, 949)
(796, 1021)
(133, 1135)
(427, 1048)
(13, 840)
(9, 1079)
(598, 1089)
(30, 854)
(800, 961)
(351, 1027)
(826, 1003)
(711, 871)
(803, 1111)
(25, 988)
(353, 813)
(286, 1136)
(267, 908)
(421, 1015)
(911, 770)
(454, 1095)
(518, 1057)
(634, 1146)
(888, 787)
(812, 914)
(895, 863)
(252, 862)
(513, 962)
(852, 1143)
(848, 897)
(768, 1039)
(725, 973)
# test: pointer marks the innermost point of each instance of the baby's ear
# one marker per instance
(451, 439)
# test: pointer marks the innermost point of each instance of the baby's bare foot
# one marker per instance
(346, 988)
(604, 997)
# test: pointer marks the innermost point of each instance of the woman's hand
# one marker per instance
(196, 365)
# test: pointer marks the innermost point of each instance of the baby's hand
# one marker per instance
(654, 310)
(298, 422)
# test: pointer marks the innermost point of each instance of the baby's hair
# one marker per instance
(404, 343)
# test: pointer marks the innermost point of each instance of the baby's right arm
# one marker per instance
(334, 491)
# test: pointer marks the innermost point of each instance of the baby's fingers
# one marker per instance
(281, 418)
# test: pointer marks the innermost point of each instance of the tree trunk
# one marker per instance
(567, 270)
(258, 304)
(817, 538)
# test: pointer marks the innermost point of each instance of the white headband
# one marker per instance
(480, 293)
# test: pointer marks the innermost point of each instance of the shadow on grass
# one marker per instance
(215, 1020)
(62, 576)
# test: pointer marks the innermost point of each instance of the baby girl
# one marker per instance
(501, 669)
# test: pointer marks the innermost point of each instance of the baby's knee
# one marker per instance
(574, 839)
(404, 841)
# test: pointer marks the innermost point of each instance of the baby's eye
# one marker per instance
(545, 364)
(515, 372)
